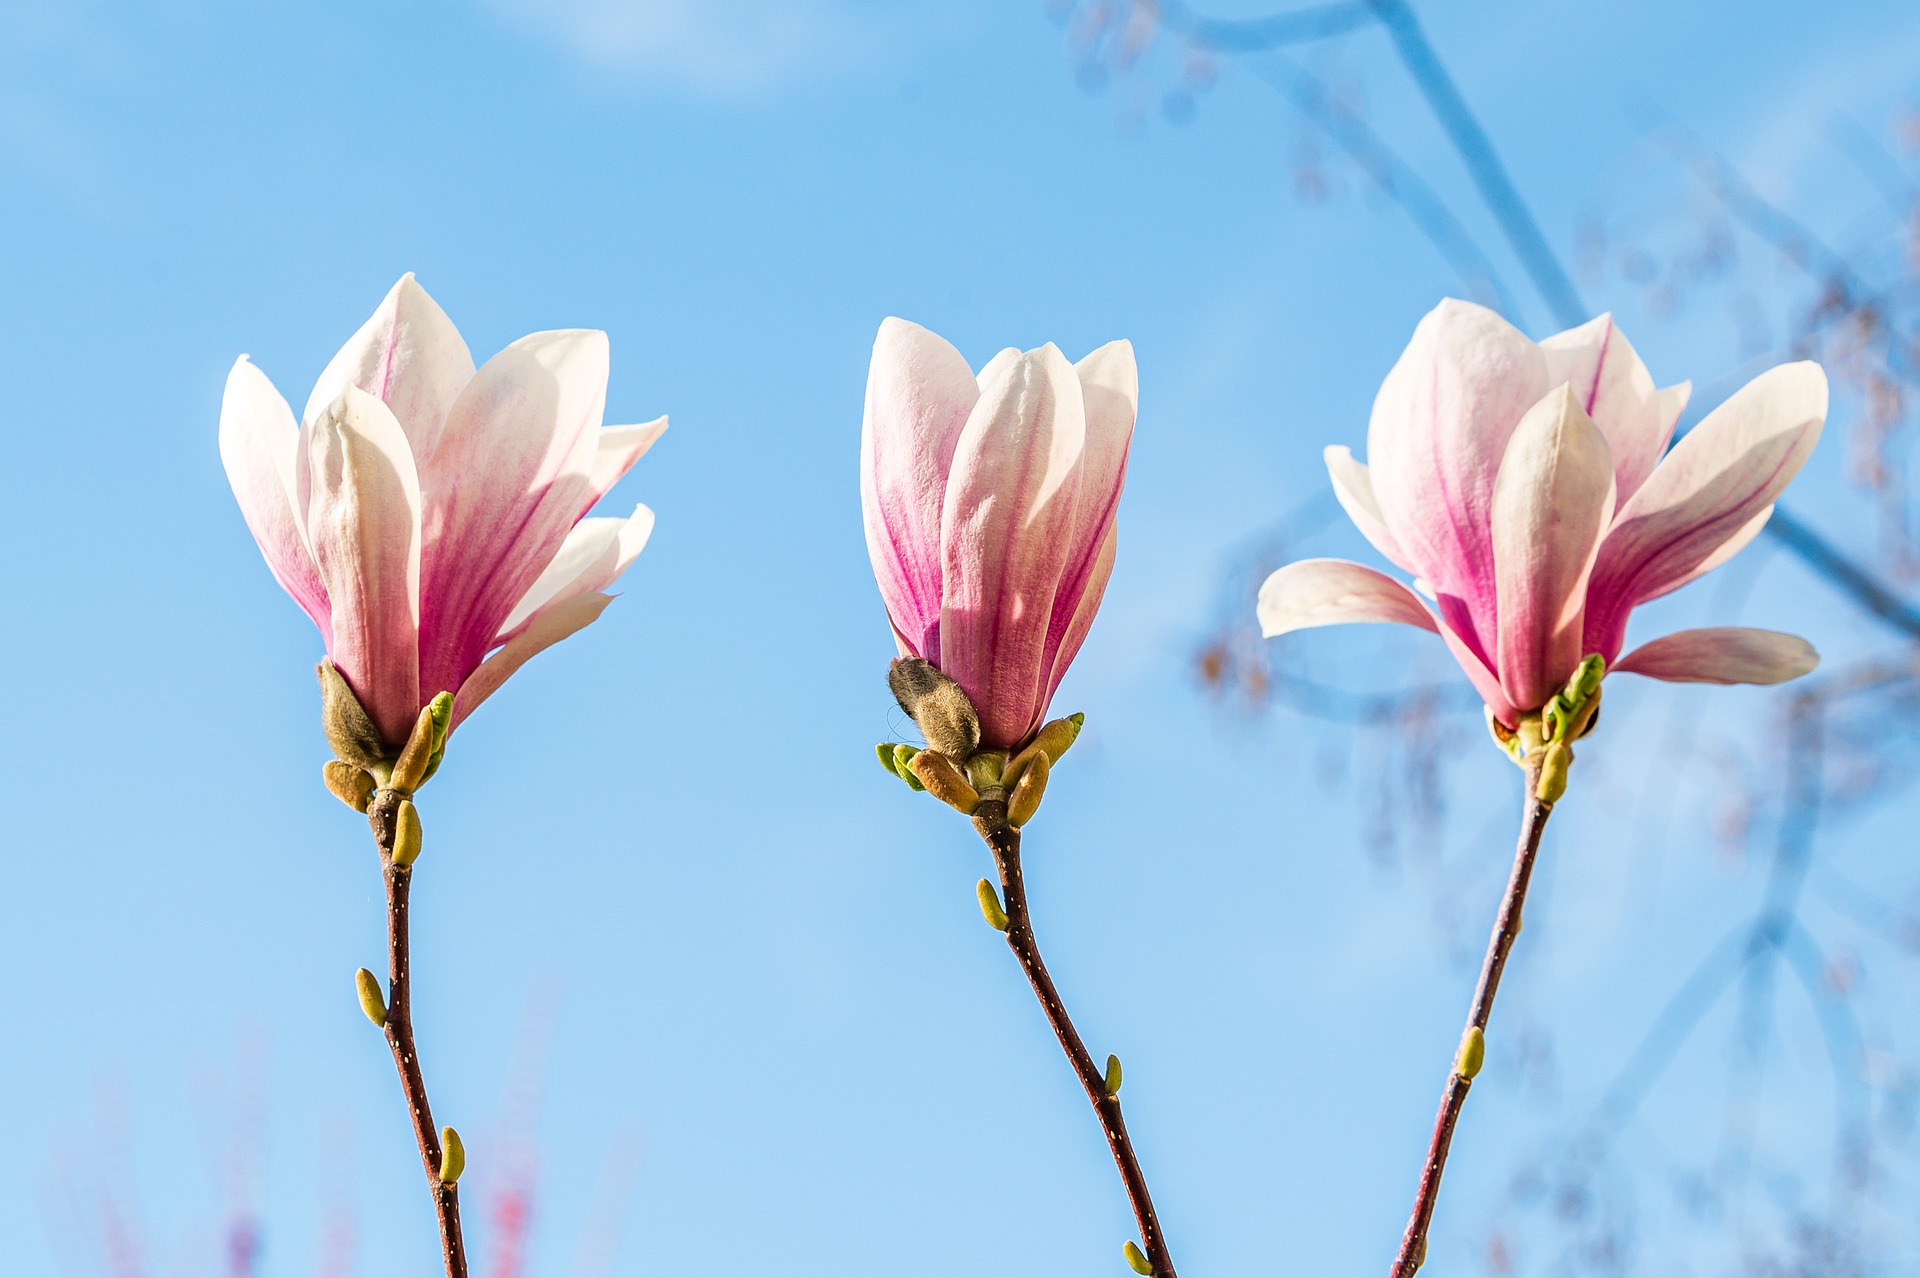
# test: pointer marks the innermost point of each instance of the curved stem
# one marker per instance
(382, 815)
(990, 819)
(1506, 929)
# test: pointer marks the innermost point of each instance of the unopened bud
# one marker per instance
(1554, 762)
(453, 1156)
(406, 834)
(1113, 1075)
(944, 782)
(885, 750)
(946, 718)
(1136, 1259)
(985, 769)
(903, 756)
(1472, 1054)
(351, 785)
(427, 740)
(1057, 736)
(349, 731)
(372, 1001)
(1027, 793)
(990, 906)
(1586, 680)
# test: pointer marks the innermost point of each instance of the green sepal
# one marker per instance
(885, 751)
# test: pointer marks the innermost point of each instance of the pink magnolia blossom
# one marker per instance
(428, 515)
(990, 509)
(1529, 491)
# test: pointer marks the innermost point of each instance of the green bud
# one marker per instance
(885, 750)
(1472, 1054)
(1554, 762)
(990, 906)
(943, 781)
(429, 736)
(1028, 791)
(985, 768)
(1136, 1259)
(903, 757)
(1059, 735)
(1586, 680)
(453, 1156)
(372, 1001)
(1113, 1074)
(349, 731)
(406, 834)
(442, 708)
(351, 785)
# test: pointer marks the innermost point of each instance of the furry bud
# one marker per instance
(372, 1002)
(453, 1156)
(1028, 791)
(943, 781)
(406, 834)
(946, 718)
(349, 731)
(351, 785)
(1136, 1259)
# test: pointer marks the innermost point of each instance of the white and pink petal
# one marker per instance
(1721, 654)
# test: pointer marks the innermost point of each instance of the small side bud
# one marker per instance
(406, 834)
(351, 785)
(410, 769)
(372, 1001)
(885, 750)
(1136, 1259)
(943, 781)
(453, 1156)
(1031, 788)
(990, 906)
(1554, 762)
(1586, 680)
(1059, 735)
(903, 756)
(442, 708)
(985, 769)
(349, 731)
(1472, 1054)
(1113, 1074)
(937, 704)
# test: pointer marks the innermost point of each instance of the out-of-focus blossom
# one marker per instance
(1529, 491)
(990, 509)
(429, 516)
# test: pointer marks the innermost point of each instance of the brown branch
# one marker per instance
(990, 819)
(382, 814)
(1506, 929)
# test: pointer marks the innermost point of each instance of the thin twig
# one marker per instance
(382, 814)
(1506, 929)
(990, 819)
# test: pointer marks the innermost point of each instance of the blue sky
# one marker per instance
(662, 860)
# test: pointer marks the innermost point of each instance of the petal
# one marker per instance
(1006, 537)
(592, 558)
(1551, 505)
(363, 514)
(410, 357)
(1079, 624)
(618, 448)
(258, 441)
(547, 627)
(919, 392)
(510, 478)
(1722, 654)
(1616, 391)
(1353, 485)
(1706, 493)
(1439, 430)
(1335, 592)
(1110, 391)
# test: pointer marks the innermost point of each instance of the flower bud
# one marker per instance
(425, 745)
(943, 781)
(453, 1156)
(1472, 1054)
(990, 906)
(946, 718)
(372, 1001)
(406, 834)
(351, 785)
(1028, 791)
(1113, 1075)
(1136, 1259)
(349, 731)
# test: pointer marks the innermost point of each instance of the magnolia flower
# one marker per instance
(1525, 489)
(428, 515)
(990, 510)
